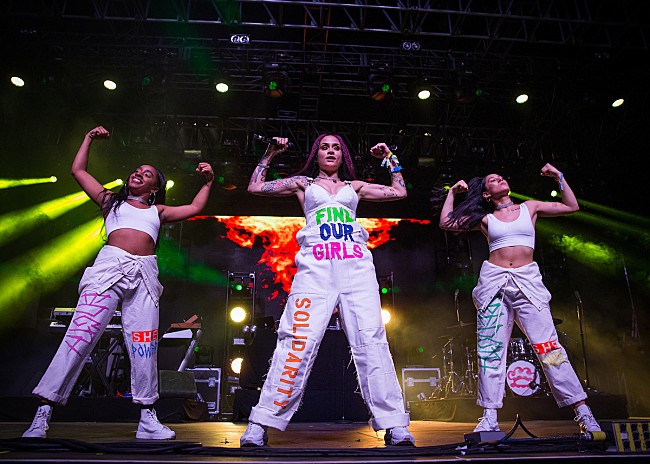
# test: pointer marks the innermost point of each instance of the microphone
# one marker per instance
(578, 299)
(261, 138)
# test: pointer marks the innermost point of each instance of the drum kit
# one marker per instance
(524, 376)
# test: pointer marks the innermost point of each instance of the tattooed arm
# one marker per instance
(377, 192)
(279, 187)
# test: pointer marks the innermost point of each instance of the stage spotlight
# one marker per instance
(109, 84)
(45, 268)
(554, 193)
(618, 102)
(9, 183)
(237, 314)
(522, 98)
(274, 83)
(19, 222)
(17, 81)
(169, 184)
(240, 39)
(222, 87)
(235, 365)
(381, 87)
(424, 94)
(408, 45)
(385, 316)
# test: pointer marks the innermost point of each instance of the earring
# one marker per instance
(152, 198)
(487, 199)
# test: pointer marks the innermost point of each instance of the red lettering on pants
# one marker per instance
(545, 347)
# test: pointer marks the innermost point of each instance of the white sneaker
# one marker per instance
(40, 424)
(399, 436)
(255, 435)
(150, 428)
(586, 420)
(488, 423)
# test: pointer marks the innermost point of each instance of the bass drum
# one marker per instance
(523, 378)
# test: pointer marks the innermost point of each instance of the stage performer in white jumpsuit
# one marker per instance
(334, 269)
(125, 271)
(510, 289)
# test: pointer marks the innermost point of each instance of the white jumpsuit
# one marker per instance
(334, 269)
(116, 276)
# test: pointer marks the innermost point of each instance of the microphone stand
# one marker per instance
(581, 314)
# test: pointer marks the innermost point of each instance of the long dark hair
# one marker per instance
(469, 212)
(113, 201)
(311, 169)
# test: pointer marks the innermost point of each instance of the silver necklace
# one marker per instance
(329, 178)
(134, 198)
(510, 203)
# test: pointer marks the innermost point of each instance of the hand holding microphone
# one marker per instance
(272, 141)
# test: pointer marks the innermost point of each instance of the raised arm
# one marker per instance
(179, 213)
(448, 206)
(569, 202)
(79, 171)
(377, 192)
(280, 187)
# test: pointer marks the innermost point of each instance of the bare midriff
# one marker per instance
(132, 241)
(511, 256)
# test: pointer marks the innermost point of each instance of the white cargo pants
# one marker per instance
(116, 276)
(504, 296)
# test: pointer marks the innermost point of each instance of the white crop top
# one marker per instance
(129, 217)
(519, 232)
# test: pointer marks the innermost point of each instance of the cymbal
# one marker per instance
(461, 325)
(557, 321)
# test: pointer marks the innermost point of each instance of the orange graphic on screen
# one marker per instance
(278, 236)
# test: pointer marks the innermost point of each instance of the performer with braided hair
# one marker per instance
(125, 271)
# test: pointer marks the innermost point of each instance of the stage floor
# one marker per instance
(301, 442)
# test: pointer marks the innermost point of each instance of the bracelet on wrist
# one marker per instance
(396, 169)
(265, 166)
(559, 181)
(388, 158)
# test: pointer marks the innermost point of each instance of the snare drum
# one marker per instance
(523, 378)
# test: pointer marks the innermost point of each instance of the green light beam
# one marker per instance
(624, 215)
(641, 234)
(18, 222)
(10, 183)
(43, 269)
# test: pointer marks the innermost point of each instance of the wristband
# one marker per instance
(396, 169)
(388, 158)
(559, 181)
(265, 166)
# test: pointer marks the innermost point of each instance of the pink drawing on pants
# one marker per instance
(84, 324)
